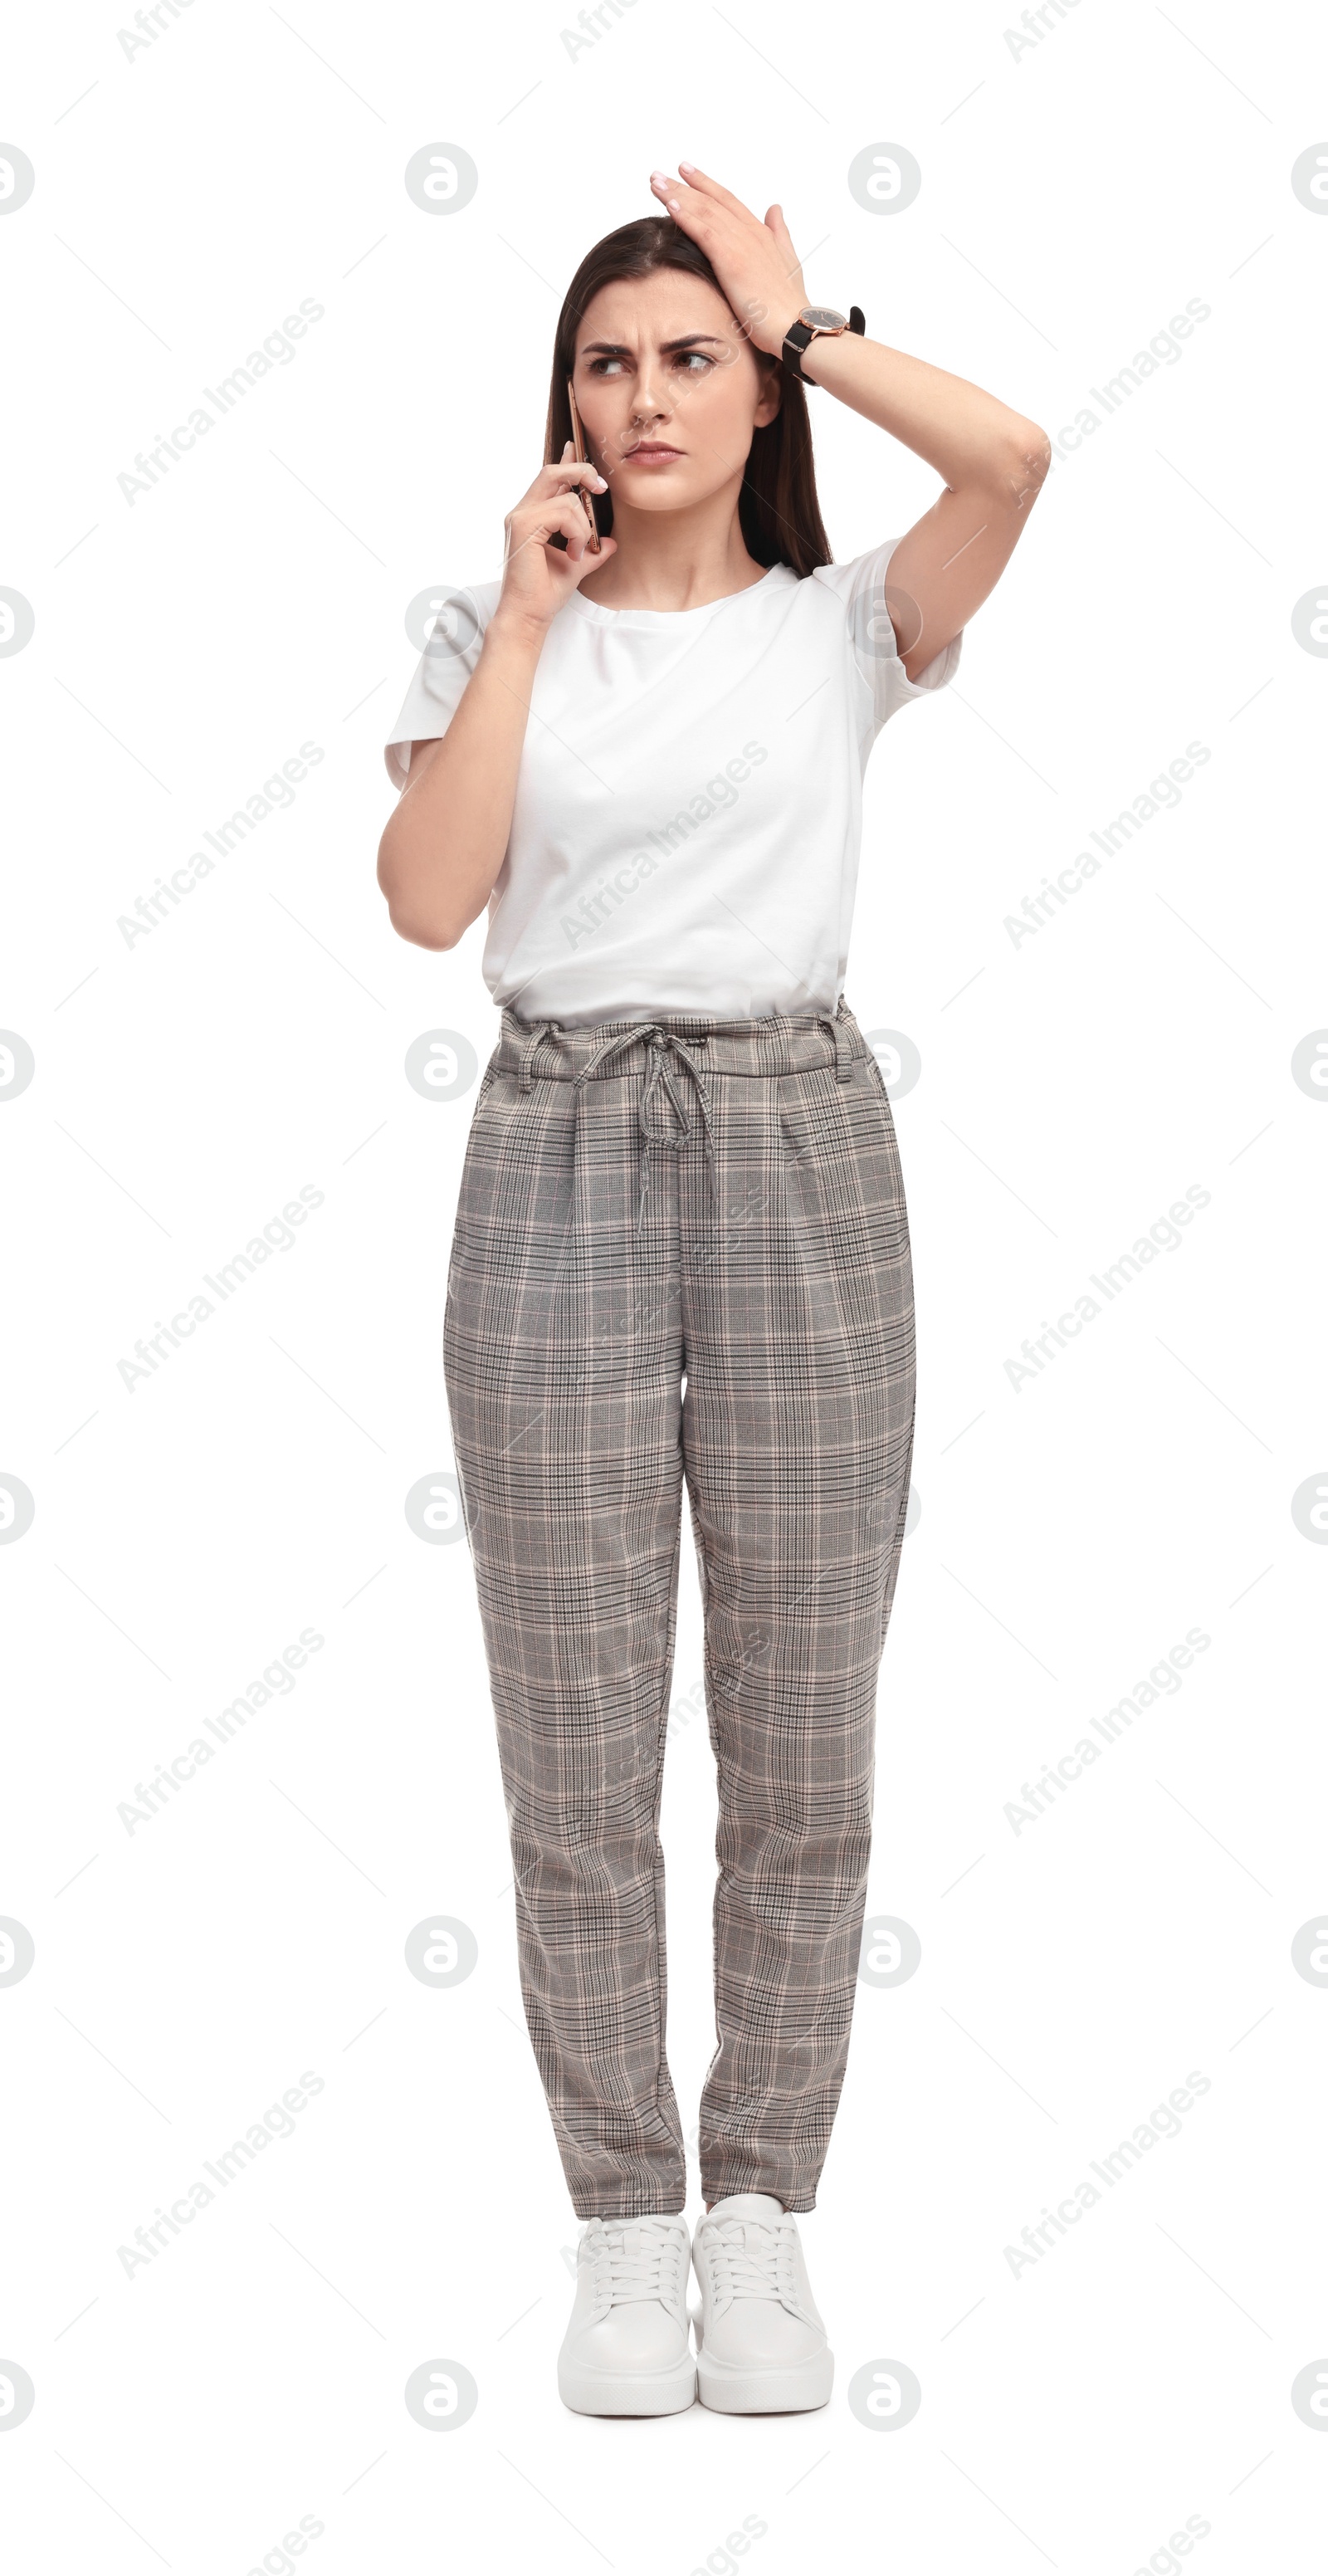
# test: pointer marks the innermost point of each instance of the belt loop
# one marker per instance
(838, 1036)
(843, 1059)
(534, 1042)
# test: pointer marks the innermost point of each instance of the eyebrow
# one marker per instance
(617, 349)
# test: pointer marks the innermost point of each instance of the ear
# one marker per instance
(771, 394)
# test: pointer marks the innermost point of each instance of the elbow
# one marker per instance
(1023, 466)
(420, 932)
(412, 921)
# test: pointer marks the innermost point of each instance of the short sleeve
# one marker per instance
(453, 622)
(879, 620)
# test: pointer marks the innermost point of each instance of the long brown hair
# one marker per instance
(778, 511)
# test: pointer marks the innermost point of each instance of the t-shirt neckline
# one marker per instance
(673, 617)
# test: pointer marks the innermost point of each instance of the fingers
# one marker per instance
(555, 516)
(565, 472)
(670, 191)
(708, 187)
(688, 206)
(566, 519)
(567, 463)
(586, 562)
(700, 205)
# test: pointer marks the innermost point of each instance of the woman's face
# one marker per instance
(669, 390)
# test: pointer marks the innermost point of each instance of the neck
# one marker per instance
(672, 559)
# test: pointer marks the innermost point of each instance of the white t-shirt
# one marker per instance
(688, 810)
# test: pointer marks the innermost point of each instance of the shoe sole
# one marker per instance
(620, 2392)
(794, 2389)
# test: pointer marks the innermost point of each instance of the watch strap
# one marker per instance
(798, 337)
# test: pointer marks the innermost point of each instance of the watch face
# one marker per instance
(823, 317)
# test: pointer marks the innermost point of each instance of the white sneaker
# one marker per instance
(760, 2342)
(627, 2350)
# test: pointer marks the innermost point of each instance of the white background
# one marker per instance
(1074, 198)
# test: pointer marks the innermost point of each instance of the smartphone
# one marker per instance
(579, 451)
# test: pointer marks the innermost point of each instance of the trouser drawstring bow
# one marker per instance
(667, 1047)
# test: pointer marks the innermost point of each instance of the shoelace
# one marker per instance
(634, 2258)
(750, 2259)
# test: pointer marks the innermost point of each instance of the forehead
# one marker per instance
(644, 311)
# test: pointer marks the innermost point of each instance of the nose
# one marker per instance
(651, 400)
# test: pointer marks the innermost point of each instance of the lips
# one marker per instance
(653, 448)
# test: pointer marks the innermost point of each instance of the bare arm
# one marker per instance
(993, 460)
(447, 835)
(994, 463)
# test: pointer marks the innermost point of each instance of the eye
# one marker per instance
(690, 362)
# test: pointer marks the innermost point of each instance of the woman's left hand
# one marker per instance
(756, 263)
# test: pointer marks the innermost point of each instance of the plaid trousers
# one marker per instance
(639, 1200)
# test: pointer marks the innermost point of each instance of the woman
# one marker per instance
(681, 1246)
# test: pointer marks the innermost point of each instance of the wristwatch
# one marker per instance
(815, 322)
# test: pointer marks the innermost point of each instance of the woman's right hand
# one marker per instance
(537, 576)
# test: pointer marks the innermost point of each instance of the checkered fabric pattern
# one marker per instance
(641, 1200)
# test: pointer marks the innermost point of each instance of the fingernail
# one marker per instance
(687, 165)
(673, 205)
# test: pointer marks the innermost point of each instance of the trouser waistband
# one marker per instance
(758, 1048)
(700, 1045)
